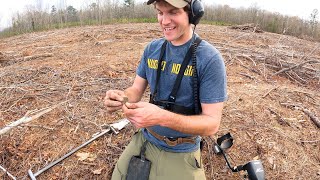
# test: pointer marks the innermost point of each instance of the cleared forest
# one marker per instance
(272, 111)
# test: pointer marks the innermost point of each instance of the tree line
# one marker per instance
(267, 21)
(35, 18)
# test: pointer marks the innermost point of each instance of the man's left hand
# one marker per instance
(142, 114)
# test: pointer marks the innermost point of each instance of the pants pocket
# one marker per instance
(194, 160)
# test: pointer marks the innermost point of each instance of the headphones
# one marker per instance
(197, 11)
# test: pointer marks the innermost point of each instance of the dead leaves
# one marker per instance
(89, 157)
(82, 156)
(97, 172)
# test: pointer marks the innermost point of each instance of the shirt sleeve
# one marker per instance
(213, 82)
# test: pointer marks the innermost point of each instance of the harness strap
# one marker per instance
(169, 104)
(183, 67)
(163, 49)
(174, 107)
(172, 141)
(143, 151)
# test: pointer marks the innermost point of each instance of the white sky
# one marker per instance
(302, 9)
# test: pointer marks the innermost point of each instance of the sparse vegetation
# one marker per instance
(272, 107)
(273, 82)
(115, 11)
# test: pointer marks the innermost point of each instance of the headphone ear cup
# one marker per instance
(197, 11)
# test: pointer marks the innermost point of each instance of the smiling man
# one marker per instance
(187, 81)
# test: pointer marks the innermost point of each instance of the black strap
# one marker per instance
(163, 49)
(174, 107)
(143, 150)
(172, 97)
(183, 67)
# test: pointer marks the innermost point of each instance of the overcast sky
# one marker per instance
(302, 9)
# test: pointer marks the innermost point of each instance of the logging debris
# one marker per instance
(81, 71)
(248, 27)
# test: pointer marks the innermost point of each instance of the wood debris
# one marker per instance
(248, 27)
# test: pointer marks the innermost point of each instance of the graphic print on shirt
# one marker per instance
(153, 64)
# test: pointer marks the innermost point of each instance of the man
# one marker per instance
(172, 137)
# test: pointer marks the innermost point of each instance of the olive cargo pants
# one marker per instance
(165, 165)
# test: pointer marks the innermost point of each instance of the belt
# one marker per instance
(172, 141)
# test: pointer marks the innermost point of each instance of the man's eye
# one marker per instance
(173, 12)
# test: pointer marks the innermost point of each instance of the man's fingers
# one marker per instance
(115, 97)
(120, 93)
(112, 109)
(114, 100)
(135, 123)
(131, 105)
(112, 103)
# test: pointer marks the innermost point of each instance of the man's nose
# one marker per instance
(166, 19)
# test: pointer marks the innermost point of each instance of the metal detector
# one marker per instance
(253, 168)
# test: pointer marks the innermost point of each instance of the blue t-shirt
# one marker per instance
(211, 75)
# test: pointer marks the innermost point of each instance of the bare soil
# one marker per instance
(265, 112)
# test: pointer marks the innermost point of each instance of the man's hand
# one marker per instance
(114, 100)
(143, 114)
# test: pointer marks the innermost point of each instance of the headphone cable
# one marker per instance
(195, 75)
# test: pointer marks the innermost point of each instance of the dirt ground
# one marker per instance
(69, 70)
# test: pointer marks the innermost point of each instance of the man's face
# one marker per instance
(174, 23)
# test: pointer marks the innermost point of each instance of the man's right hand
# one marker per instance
(114, 100)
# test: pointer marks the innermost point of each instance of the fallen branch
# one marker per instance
(304, 71)
(247, 57)
(295, 66)
(29, 116)
(38, 126)
(249, 27)
(10, 175)
(303, 58)
(304, 92)
(12, 87)
(270, 91)
(28, 58)
(252, 70)
(246, 75)
(312, 116)
(315, 141)
(279, 118)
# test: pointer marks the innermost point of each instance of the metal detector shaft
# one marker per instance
(33, 176)
(114, 128)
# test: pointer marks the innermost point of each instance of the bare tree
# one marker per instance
(61, 12)
(314, 22)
